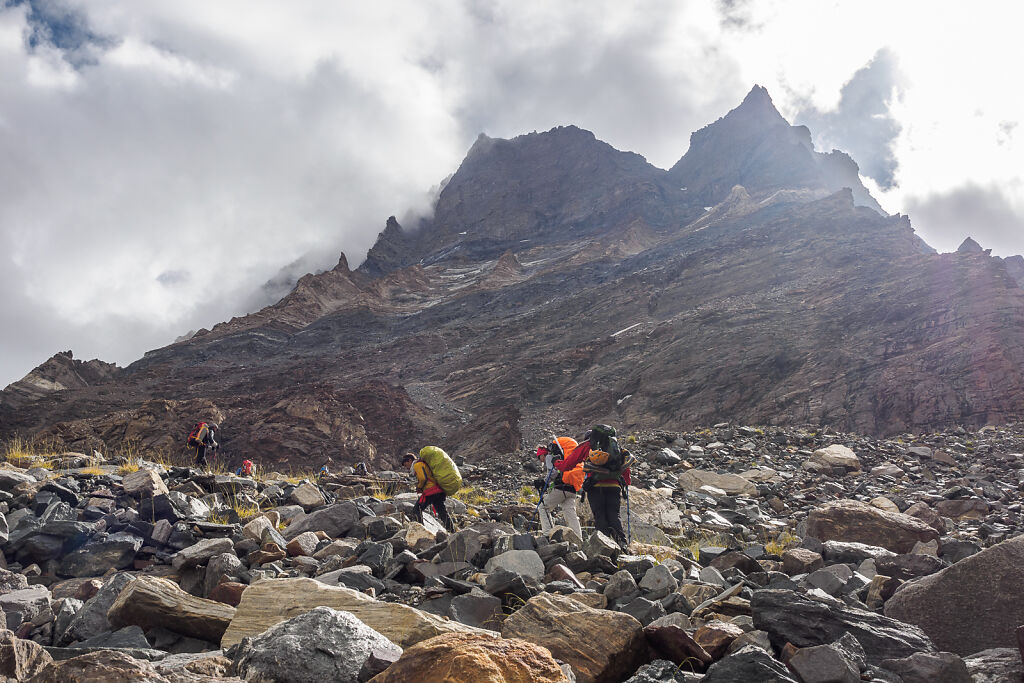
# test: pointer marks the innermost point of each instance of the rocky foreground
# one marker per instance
(757, 555)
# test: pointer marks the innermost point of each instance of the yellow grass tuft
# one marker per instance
(472, 495)
(528, 496)
(781, 543)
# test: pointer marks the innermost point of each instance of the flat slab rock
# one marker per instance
(149, 601)
(272, 601)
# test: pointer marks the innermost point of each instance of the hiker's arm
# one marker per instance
(575, 458)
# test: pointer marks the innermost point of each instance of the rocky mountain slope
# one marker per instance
(560, 279)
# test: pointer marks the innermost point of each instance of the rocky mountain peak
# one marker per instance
(386, 253)
(969, 246)
(532, 189)
(57, 373)
(756, 111)
(342, 266)
(754, 146)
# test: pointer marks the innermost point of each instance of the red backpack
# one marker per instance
(195, 437)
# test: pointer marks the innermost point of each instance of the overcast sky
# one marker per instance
(160, 161)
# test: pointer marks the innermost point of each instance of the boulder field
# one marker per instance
(757, 554)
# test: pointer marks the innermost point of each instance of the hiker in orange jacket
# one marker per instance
(603, 491)
(431, 494)
(557, 493)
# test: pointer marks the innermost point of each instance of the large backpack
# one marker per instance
(196, 436)
(610, 461)
(575, 477)
(446, 472)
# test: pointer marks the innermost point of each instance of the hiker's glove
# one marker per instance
(538, 484)
(625, 492)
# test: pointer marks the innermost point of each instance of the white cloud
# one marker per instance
(167, 159)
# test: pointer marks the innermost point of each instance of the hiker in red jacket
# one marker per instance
(604, 487)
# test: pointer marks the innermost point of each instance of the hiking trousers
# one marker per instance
(605, 503)
(566, 500)
(200, 461)
(440, 511)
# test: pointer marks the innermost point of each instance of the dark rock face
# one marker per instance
(971, 606)
(554, 256)
(790, 617)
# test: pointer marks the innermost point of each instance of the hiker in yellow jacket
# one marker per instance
(431, 494)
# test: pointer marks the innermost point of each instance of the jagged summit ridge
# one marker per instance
(754, 146)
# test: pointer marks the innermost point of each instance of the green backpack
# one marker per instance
(446, 472)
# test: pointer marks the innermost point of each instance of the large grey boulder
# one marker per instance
(98, 556)
(334, 520)
(24, 605)
(522, 562)
(201, 552)
(91, 620)
(732, 484)
(323, 644)
(928, 667)
(791, 617)
(11, 581)
(971, 606)
(749, 664)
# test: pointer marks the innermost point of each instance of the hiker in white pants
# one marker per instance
(557, 498)
(558, 494)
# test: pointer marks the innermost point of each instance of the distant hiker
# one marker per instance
(558, 489)
(323, 473)
(607, 477)
(431, 493)
(201, 438)
(245, 470)
(361, 469)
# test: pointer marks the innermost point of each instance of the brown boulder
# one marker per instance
(303, 545)
(716, 637)
(854, 521)
(674, 644)
(149, 602)
(921, 510)
(20, 659)
(458, 657)
(971, 606)
(801, 561)
(963, 508)
(104, 666)
(229, 592)
(600, 646)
